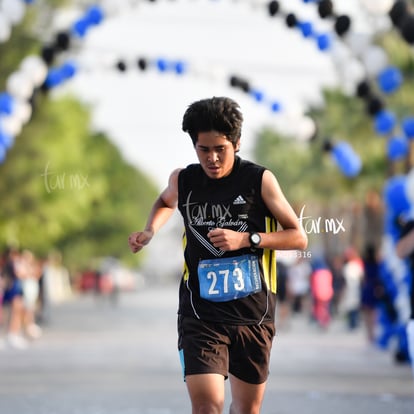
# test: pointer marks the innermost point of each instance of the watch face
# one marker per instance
(255, 238)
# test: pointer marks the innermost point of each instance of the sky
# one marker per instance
(142, 111)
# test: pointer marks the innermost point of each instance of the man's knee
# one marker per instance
(243, 408)
(207, 407)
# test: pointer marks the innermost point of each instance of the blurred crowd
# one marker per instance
(347, 286)
(28, 287)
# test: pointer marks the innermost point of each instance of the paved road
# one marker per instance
(95, 358)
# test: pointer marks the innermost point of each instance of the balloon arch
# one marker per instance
(374, 80)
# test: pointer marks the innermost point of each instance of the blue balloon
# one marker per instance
(395, 196)
(384, 122)
(408, 127)
(54, 78)
(390, 79)
(94, 15)
(397, 148)
(346, 159)
(391, 227)
(324, 42)
(341, 151)
(180, 67)
(257, 95)
(276, 106)
(68, 70)
(29, 1)
(2, 154)
(352, 167)
(306, 28)
(162, 64)
(6, 103)
(80, 27)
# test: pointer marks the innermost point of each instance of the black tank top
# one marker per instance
(233, 202)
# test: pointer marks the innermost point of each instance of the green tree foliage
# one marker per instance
(308, 173)
(63, 187)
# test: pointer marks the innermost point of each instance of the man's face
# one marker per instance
(215, 153)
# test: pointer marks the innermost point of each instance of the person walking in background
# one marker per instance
(30, 272)
(322, 293)
(56, 281)
(336, 264)
(371, 291)
(227, 295)
(2, 286)
(13, 300)
(405, 250)
(283, 295)
(299, 283)
(353, 271)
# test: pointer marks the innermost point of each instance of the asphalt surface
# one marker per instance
(97, 358)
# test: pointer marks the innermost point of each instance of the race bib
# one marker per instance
(229, 278)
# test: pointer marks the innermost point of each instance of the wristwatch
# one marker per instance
(255, 240)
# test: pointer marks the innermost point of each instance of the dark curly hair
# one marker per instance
(219, 114)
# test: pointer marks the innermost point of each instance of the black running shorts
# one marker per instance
(243, 351)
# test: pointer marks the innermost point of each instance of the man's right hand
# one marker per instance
(139, 239)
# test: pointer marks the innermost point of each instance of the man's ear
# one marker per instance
(237, 146)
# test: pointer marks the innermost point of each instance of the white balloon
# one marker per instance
(375, 60)
(216, 73)
(112, 7)
(199, 69)
(11, 125)
(377, 6)
(353, 73)
(306, 128)
(340, 55)
(14, 10)
(64, 18)
(35, 69)
(19, 85)
(22, 111)
(296, 125)
(294, 109)
(359, 42)
(5, 28)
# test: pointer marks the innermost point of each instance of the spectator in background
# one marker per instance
(370, 291)
(13, 300)
(298, 283)
(2, 286)
(338, 283)
(29, 270)
(42, 305)
(56, 281)
(353, 272)
(283, 304)
(322, 292)
(405, 250)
